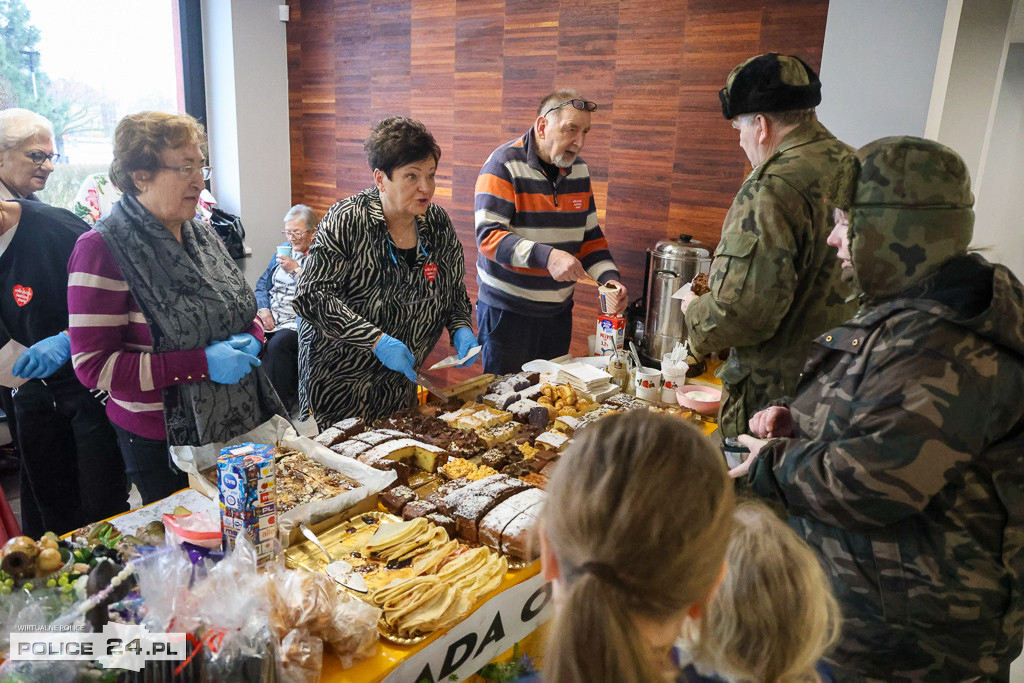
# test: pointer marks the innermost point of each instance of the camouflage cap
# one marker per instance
(909, 201)
(769, 83)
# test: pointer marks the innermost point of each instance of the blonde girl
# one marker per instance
(634, 535)
(774, 616)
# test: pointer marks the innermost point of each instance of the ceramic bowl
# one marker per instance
(707, 407)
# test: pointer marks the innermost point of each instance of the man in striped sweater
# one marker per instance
(537, 234)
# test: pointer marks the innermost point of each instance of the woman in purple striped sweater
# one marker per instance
(160, 316)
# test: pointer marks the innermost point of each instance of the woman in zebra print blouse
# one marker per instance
(383, 278)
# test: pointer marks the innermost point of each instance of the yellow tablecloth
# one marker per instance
(390, 656)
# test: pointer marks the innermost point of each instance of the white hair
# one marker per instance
(303, 213)
(18, 125)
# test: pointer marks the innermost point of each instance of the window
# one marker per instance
(84, 64)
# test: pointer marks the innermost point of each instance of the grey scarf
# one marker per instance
(192, 295)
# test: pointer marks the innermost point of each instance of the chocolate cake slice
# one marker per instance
(329, 437)
(519, 537)
(418, 508)
(378, 436)
(350, 426)
(350, 449)
(396, 498)
(443, 521)
(468, 505)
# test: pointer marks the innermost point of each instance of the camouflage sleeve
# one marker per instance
(753, 276)
(908, 429)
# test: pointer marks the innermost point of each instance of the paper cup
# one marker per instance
(604, 291)
(285, 250)
(648, 383)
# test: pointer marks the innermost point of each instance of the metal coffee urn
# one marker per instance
(670, 265)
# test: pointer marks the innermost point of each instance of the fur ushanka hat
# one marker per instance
(770, 83)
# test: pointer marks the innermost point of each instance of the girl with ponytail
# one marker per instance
(634, 534)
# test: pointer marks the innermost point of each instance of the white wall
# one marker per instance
(877, 67)
(975, 77)
(997, 201)
(935, 68)
(247, 109)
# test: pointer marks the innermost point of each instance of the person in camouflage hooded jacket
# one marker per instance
(775, 284)
(902, 462)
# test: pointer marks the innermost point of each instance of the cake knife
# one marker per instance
(429, 386)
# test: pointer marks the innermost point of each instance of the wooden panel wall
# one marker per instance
(663, 159)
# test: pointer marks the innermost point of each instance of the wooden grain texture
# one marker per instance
(663, 159)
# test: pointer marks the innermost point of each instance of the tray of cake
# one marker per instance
(422, 579)
(498, 511)
(312, 483)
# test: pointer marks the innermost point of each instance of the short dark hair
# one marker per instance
(397, 141)
(140, 138)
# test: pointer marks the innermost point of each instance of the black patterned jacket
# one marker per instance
(355, 287)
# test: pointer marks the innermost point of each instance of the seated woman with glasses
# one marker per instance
(274, 293)
(383, 279)
(161, 316)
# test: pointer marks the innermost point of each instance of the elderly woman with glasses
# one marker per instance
(71, 471)
(26, 153)
(383, 279)
(161, 316)
(274, 293)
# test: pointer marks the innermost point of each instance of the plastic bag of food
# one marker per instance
(196, 528)
(165, 578)
(232, 608)
(352, 635)
(299, 657)
(312, 601)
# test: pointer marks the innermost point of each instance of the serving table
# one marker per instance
(512, 618)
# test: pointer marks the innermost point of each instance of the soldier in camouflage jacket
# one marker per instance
(903, 462)
(775, 283)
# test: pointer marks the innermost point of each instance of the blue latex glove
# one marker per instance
(464, 341)
(43, 358)
(228, 365)
(246, 342)
(395, 355)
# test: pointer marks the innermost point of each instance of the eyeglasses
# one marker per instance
(39, 158)
(289, 233)
(584, 105)
(186, 172)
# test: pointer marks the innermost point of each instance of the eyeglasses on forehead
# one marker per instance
(583, 105)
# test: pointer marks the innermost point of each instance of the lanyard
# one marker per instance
(391, 248)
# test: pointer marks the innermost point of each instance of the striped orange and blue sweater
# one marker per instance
(521, 216)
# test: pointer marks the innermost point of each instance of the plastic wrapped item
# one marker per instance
(165, 578)
(313, 602)
(300, 657)
(197, 528)
(232, 609)
(352, 635)
(222, 606)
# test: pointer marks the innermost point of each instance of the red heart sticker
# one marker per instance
(22, 295)
(430, 271)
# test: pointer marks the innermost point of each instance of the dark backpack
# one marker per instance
(229, 229)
